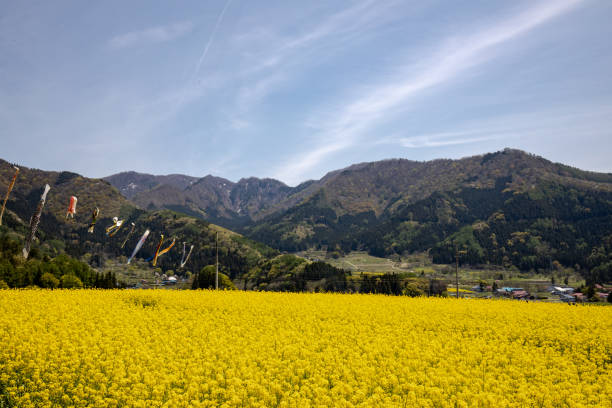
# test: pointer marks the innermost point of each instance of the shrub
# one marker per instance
(71, 282)
(412, 290)
(206, 279)
(48, 280)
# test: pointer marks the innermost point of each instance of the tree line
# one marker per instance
(42, 270)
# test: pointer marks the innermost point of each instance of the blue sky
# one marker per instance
(292, 90)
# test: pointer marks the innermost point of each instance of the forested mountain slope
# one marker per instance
(58, 235)
(378, 186)
(508, 207)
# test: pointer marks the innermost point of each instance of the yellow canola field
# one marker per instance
(246, 349)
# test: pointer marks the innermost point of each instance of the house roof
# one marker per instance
(510, 289)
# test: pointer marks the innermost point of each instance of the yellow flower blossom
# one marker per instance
(93, 348)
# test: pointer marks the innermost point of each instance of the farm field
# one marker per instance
(358, 262)
(229, 348)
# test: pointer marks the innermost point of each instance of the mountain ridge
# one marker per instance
(390, 180)
(58, 234)
(506, 208)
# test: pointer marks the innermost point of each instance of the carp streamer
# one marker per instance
(159, 252)
(183, 258)
(94, 218)
(139, 245)
(128, 235)
(161, 240)
(112, 230)
(34, 222)
(10, 187)
(71, 207)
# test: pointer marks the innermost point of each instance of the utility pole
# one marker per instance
(457, 252)
(217, 268)
(457, 270)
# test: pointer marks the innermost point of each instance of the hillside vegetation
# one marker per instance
(507, 208)
(68, 238)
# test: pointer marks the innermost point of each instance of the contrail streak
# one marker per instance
(211, 39)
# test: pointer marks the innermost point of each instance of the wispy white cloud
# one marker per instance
(238, 124)
(448, 139)
(281, 56)
(269, 59)
(339, 27)
(451, 59)
(574, 118)
(250, 95)
(494, 129)
(527, 128)
(151, 35)
(292, 90)
(342, 26)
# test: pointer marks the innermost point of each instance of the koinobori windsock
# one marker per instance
(139, 245)
(183, 258)
(34, 221)
(161, 240)
(166, 249)
(128, 235)
(94, 218)
(71, 207)
(8, 192)
(112, 230)
(159, 252)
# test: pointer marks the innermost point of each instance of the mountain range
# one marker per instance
(58, 234)
(508, 207)
(379, 187)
